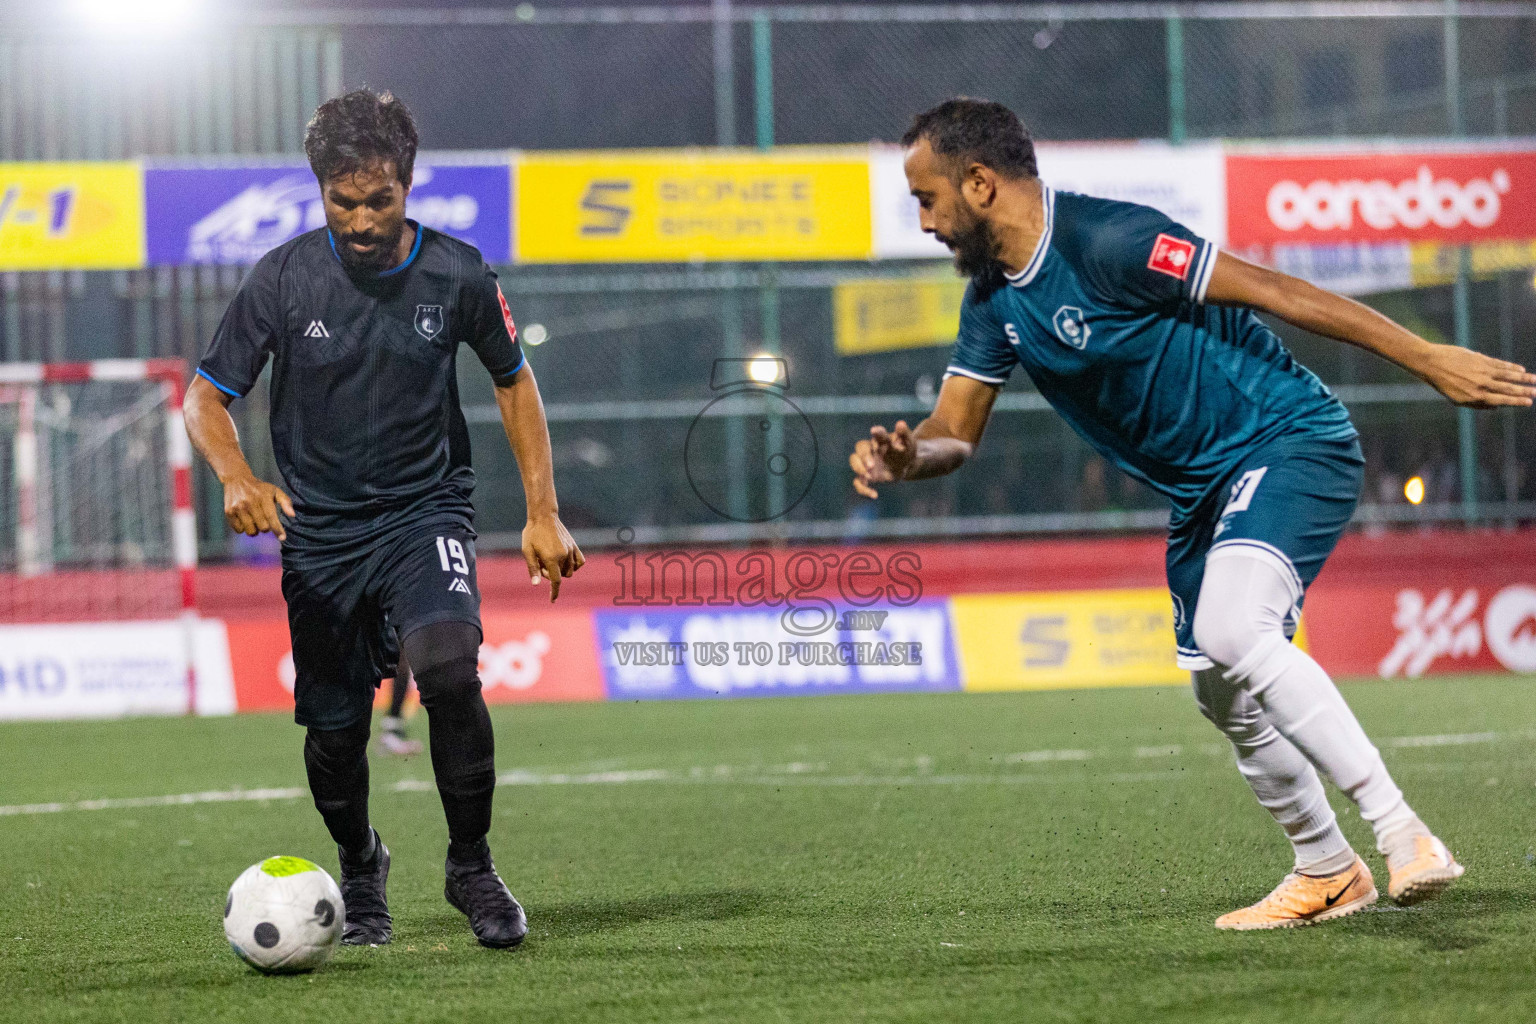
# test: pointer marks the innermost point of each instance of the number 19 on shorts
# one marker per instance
(451, 553)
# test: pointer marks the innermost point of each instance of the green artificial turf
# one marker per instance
(904, 858)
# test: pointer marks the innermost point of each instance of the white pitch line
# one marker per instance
(1449, 739)
(1172, 750)
(1036, 756)
(798, 773)
(175, 800)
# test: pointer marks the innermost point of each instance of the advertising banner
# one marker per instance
(1185, 182)
(111, 670)
(237, 213)
(1423, 605)
(661, 654)
(1039, 641)
(71, 216)
(541, 656)
(1380, 197)
(882, 314)
(691, 205)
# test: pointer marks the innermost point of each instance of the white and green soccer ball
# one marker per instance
(284, 916)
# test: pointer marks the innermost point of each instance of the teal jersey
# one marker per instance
(1109, 320)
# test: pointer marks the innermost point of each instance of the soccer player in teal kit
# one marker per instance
(1143, 337)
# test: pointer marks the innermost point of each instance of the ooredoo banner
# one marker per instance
(548, 656)
(1372, 197)
(236, 214)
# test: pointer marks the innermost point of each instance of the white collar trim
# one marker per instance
(1036, 261)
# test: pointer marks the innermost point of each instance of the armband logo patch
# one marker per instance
(1172, 256)
(506, 314)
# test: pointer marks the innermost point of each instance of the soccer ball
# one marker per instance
(284, 916)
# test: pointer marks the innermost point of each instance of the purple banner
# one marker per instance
(237, 214)
(662, 654)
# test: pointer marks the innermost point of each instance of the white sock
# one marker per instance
(1248, 596)
(1284, 781)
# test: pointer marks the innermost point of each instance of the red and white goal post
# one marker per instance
(98, 545)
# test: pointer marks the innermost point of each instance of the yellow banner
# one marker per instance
(880, 314)
(1066, 639)
(685, 205)
(1436, 263)
(71, 216)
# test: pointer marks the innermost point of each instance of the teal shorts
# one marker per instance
(1287, 501)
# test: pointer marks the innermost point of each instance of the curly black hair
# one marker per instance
(968, 131)
(359, 128)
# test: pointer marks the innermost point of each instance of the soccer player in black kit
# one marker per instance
(362, 320)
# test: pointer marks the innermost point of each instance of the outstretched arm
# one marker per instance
(1465, 377)
(548, 547)
(939, 444)
(250, 505)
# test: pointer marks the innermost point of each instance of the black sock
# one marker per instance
(445, 656)
(337, 763)
(399, 687)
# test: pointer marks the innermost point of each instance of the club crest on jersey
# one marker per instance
(429, 321)
(1172, 256)
(1071, 327)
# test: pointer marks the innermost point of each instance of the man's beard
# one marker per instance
(976, 250)
(380, 258)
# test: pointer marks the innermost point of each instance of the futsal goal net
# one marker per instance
(98, 545)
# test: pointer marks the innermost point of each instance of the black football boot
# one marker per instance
(477, 891)
(362, 891)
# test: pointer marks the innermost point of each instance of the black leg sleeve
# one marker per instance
(446, 658)
(401, 684)
(337, 763)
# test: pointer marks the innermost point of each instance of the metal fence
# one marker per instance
(626, 370)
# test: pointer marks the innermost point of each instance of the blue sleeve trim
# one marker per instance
(513, 372)
(204, 374)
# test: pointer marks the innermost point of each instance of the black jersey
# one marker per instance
(365, 414)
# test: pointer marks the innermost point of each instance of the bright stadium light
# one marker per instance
(763, 369)
(144, 15)
(1413, 490)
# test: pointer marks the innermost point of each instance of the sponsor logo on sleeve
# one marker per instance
(506, 314)
(1172, 256)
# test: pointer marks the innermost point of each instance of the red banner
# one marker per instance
(547, 656)
(1380, 197)
(1407, 605)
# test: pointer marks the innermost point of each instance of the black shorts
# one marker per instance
(345, 618)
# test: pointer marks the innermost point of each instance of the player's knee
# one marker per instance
(1225, 633)
(450, 682)
(338, 746)
(446, 659)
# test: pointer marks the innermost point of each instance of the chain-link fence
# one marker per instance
(626, 370)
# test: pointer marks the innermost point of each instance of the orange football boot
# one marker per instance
(1430, 873)
(1302, 899)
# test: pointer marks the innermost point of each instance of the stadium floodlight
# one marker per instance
(1413, 490)
(144, 15)
(764, 368)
